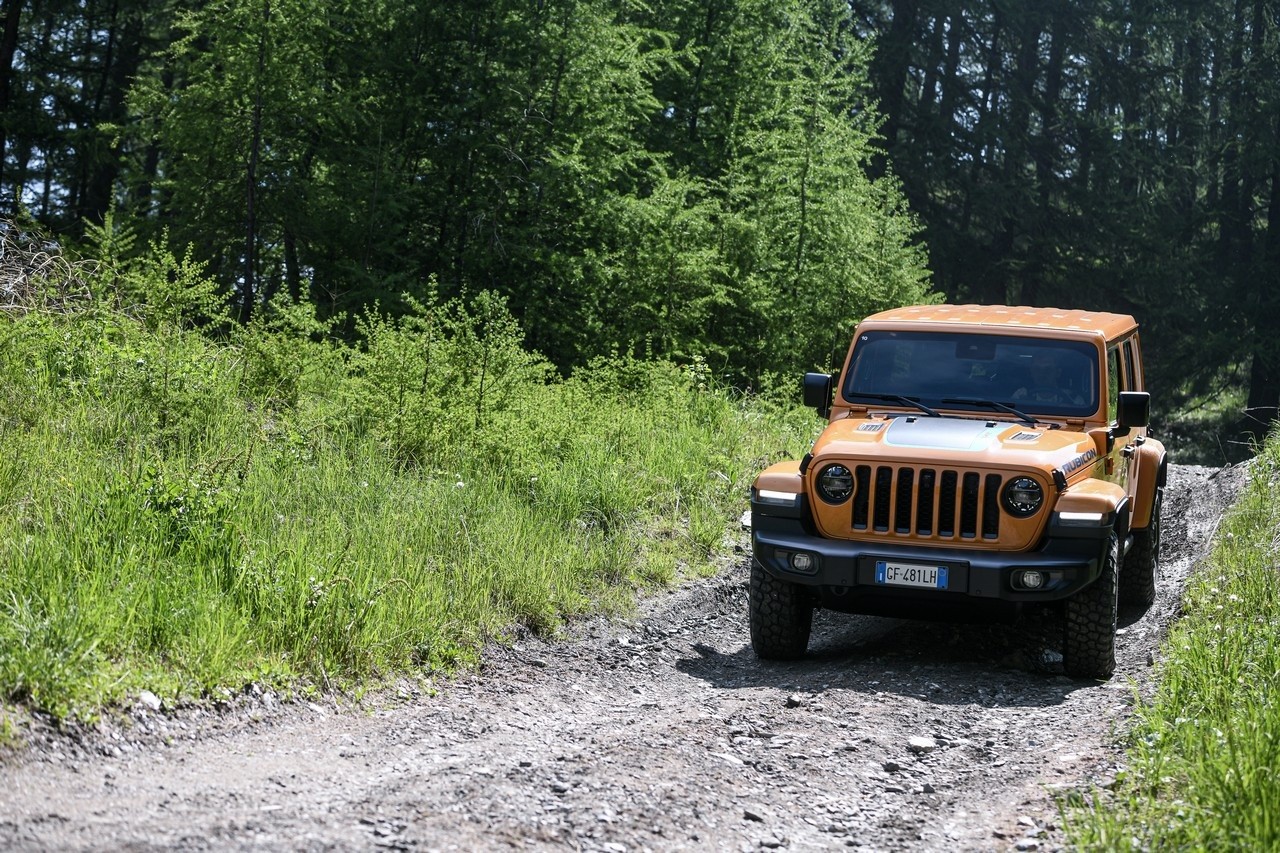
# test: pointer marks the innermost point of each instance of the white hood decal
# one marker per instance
(943, 433)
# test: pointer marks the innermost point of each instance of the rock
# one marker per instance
(891, 766)
(753, 812)
(795, 700)
(1027, 844)
(149, 699)
(920, 745)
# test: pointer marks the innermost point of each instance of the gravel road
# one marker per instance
(658, 733)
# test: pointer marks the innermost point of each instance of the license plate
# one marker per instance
(911, 574)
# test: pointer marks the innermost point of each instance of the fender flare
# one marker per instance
(1102, 496)
(1153, 473)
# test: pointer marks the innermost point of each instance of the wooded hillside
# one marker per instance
(677, 179)
(684, 178)
(1100, 153)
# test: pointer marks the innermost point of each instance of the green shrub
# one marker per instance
(185, 513)
(1205, 749)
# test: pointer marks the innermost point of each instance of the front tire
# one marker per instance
(781, 616)
(1138, 577)
(1090, 642)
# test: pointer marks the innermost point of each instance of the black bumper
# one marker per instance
(1069, 558)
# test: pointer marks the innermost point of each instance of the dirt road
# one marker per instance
(662, 733)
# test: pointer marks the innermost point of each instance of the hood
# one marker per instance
(965, 442)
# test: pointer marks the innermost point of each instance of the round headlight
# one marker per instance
(835, 484)
(1023, 496)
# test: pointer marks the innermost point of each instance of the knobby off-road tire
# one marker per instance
(781, 616)
(1089, 650)
(1138, 577)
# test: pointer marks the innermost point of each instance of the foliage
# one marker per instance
(1100, 155)
(679, 179)
(184, 514)
(441, 378)
(1202, 763)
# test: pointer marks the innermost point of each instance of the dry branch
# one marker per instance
(35, 275)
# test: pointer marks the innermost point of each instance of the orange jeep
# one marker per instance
(975, 455)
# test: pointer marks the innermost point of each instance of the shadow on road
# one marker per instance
(945, 662)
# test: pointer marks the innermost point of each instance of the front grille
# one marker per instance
(926, 502)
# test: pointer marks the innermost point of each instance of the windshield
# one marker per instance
(1047, 377)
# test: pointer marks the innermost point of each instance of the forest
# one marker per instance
(737, 181)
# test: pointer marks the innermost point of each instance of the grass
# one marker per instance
(1204, 763)
(183, 516)
(1210, 429)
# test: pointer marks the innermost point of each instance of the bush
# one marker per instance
(186, 512)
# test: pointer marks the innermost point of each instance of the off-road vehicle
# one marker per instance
(974, 456)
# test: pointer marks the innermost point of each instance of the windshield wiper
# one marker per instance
(992, 404)
(898, 398)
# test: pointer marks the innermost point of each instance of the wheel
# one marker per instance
(1089, 649)
(781, 616)
(1138, 577)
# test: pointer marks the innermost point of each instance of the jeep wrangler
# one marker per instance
(974, 456)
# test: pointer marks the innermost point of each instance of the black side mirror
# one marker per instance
(1132, 411)
(817, 392)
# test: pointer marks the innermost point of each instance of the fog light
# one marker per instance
(802, 562)
(1031, 580)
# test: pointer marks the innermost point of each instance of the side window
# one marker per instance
(1113, 381)
(1130, 366)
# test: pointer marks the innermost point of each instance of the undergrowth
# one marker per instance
(187, 505)
(1204, 763)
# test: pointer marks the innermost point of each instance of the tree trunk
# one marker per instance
(950, 80)
(292, 273)
(1235, 196)
(1264, 277)
(1188, 136)
(124, 58)
(890, 70)
(247, 289)
(1016, 218)
(11, 10)
(695, 95)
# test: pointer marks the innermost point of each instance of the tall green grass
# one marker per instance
(1204, 765)
(184, 514)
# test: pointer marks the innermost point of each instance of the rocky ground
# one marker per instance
(659, 733)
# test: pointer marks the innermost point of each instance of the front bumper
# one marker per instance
(1069, 558)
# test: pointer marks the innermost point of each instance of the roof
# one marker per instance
(1109, 326)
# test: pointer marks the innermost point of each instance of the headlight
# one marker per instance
(1023, 496)
(835, 484)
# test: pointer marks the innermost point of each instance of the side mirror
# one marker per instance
(817, 392)
(1133, 411)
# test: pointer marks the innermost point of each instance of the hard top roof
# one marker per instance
(1109, 326)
